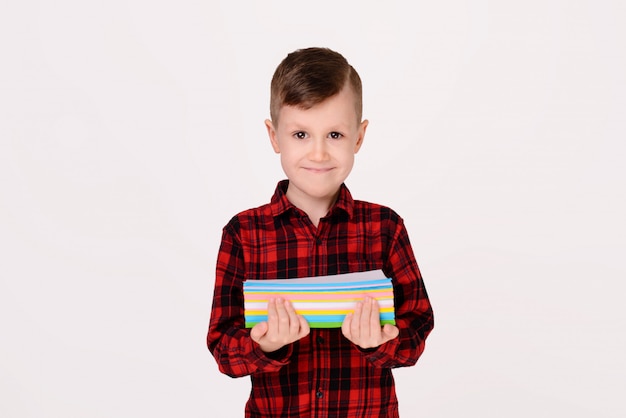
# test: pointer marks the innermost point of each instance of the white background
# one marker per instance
(131, 131)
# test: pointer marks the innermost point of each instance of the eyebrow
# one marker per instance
(300, 127)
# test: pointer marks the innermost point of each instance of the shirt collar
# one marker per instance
(280, 204)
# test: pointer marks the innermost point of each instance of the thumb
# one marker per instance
(304, 326)
(390, 332)
(258, 331)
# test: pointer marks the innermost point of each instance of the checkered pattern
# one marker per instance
(323, 374)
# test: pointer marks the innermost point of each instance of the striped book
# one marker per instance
(324, 301)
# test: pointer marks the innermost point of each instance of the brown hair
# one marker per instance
(309, 76)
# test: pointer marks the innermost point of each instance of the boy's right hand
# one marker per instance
(283, 326)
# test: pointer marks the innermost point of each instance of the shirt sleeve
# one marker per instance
(413, 311)
(228, 340)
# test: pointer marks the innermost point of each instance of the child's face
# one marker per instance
(317, 146)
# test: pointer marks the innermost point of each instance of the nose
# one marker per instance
(318, 150)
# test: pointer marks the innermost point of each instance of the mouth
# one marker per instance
(318, 170)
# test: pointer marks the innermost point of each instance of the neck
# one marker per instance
(315, 209)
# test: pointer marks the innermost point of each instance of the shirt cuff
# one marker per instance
(268, 362)
(383, 355)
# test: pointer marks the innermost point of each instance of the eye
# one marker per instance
(300, 135)
(335, 135)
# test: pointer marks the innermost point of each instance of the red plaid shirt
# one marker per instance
(323, 374)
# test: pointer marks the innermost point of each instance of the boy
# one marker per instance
(313, 227)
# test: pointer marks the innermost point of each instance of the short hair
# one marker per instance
(309, 76)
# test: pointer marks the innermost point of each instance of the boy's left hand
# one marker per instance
(362, 327)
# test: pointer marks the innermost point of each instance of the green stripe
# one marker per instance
(250, 324)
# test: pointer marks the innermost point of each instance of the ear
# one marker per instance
(361, 135)
(272, 134)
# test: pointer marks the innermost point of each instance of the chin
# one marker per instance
(325, 193)
(318, 188)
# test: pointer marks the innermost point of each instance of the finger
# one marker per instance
(304, 327)
(258, 331)
(283, 317)
(374, 318)
(390, 332)
(294, 322)
(346, 325)
(366, 319)
(272, 317)
(355, 325)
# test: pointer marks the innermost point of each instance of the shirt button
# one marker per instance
(319, 241)
(320, 340)
(319, 394)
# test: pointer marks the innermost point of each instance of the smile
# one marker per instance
(317, 170)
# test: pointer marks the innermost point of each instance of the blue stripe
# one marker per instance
(289, 283)
(318, 318)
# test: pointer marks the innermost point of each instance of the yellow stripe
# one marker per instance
(314, 312)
